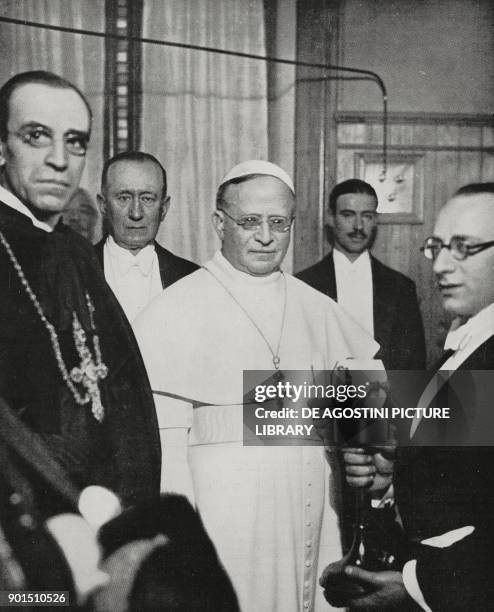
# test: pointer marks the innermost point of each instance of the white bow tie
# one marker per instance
(143, 260)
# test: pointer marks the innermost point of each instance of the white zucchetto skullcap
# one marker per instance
(258, 166)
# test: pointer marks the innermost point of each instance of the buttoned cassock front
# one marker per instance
(267, 509)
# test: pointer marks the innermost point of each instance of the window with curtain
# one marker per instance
(202, 112)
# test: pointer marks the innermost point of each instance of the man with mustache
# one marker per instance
(382, 300)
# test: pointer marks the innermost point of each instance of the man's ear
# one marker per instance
(165, 205)
(330, 218)
(101, 204)
(218, 223)
(329, 227)
(329, 234)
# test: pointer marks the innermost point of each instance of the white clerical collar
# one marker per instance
(8, 198)
(219, 262)
(124, 259)
(473, 333)
(361, 262)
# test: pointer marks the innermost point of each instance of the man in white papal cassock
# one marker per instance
(268, 510)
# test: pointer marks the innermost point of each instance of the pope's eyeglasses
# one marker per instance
(253, 222)
(458, 246)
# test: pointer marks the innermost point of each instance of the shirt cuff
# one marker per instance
(412, 585)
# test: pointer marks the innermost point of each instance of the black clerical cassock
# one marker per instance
(69, 343)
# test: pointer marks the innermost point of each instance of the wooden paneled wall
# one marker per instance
(315, 131)
(456, 150)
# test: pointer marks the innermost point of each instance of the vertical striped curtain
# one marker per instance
(202, 112)
(80, 59)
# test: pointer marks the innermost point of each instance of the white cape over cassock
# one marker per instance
(267, 509)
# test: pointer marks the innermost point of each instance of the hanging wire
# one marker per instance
(373, 76)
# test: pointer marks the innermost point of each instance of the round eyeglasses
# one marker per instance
(254, 222)
(458, 246)
(41, 137)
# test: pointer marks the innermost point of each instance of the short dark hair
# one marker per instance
(132, 156)
(42, 77)
(475, 189)
(350, 186)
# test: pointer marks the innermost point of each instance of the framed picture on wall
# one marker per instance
(400, 191)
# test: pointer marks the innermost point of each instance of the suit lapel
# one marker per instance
(168, 272)
(382, 303)
(481, 359)
(330, 277)
(164, 265)
(98, 248)
(321, 276)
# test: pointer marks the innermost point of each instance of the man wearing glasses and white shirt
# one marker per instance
(267, 509)
(444, 492)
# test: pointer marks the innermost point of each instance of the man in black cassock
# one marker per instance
(69, 364)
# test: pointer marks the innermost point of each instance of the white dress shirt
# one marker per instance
(134, 279)
(464, 340)
(354, 287)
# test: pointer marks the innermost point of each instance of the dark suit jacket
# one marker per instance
(397, 321)
(172, 267)
(442, 488)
